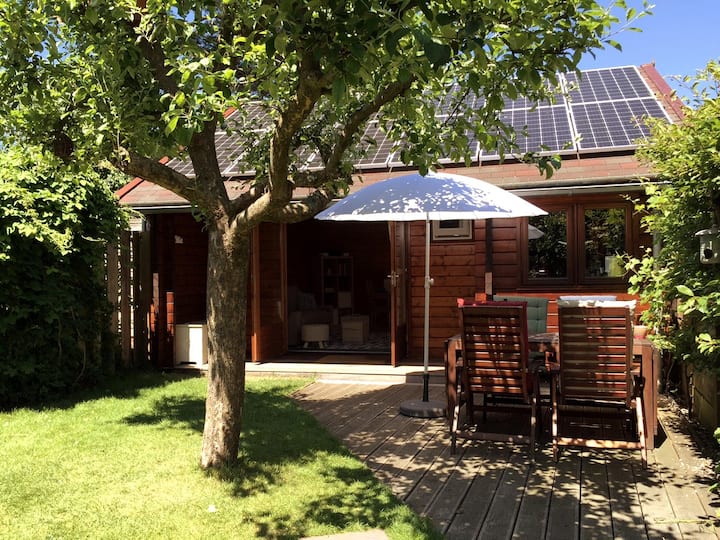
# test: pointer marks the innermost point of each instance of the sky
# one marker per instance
(680, 37)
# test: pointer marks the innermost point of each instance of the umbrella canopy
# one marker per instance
(435, 197)
(432, 197)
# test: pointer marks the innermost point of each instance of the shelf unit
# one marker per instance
(336, 282)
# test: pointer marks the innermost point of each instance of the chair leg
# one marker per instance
(454, 426)
(533, 425)
(553, 393)
(640, 415)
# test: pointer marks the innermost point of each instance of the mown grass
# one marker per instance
(122, 462)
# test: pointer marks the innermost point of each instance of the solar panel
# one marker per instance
(607, 84)
(377, 152)
(614, 124)
(547, 129)
(604, 109)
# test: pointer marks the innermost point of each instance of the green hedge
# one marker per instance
(55, 224)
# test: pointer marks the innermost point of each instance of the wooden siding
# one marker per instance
(269, 331)
(189, 269)
(179, 276)
(458, 270)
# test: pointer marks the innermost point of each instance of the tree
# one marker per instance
(683, 294)
(135, 81)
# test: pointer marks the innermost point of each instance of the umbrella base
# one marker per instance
(422, 409)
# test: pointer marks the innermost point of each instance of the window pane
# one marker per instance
(604, 241)
(547, 245)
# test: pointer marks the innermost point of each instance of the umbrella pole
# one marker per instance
(425, 408)
(426, 328)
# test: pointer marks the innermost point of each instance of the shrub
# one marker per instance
(55, 224)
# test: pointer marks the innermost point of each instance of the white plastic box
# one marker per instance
(191, 344)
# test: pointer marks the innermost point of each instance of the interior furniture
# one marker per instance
(315, 333)
(493, 374)
(303, 310)
(595, 380)
(355, 328)
(336, 282)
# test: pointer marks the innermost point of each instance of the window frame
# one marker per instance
(576, 257)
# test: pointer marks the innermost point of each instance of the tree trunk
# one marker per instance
(228, 264)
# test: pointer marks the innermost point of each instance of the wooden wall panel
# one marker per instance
(190, 247)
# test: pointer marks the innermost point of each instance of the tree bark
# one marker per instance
(228, 264)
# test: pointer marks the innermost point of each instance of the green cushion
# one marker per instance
(537, 309)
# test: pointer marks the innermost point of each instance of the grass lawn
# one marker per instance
(122, 462)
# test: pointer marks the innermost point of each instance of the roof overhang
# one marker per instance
(584, 187)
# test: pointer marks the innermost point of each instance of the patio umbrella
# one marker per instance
(436, 196)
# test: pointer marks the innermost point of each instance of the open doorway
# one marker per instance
(338, 287)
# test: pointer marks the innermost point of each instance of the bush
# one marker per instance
(55, 224)
(683, 294)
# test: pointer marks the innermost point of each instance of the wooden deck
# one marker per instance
(493, 490)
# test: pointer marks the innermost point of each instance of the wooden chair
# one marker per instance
(494, 375)
(595, 377)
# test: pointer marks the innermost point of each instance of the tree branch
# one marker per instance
(311, 86)
(316, 179)
(160, 174)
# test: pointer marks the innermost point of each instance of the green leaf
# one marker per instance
(339, 90)
(685, 290)
(437, 53)
(171, 125)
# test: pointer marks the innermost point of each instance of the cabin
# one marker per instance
(358, 287)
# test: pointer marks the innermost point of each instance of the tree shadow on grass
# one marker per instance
(278, 432)
(278, 435)
(123, 385)
(185, 411)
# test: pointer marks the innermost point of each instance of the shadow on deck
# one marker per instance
(494, 490)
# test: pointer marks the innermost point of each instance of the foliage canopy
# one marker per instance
(684, 294)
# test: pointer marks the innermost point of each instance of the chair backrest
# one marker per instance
(596, 350)
(495, 348)
(589, 297)
(537, 311)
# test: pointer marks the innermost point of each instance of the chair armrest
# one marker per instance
(551, 362)
(638, 383)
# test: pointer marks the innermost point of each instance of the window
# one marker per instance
(604, 241)
(547, 245)
(452, 229)
(579, 243)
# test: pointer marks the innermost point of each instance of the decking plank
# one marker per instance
(433, 480)
(487, 489)
(627, 513)
(406, 481)
(658, 513)
(532, 518)
(688, 479)
(563, 518)
(501, 518)
(385, 405)
(340, 409)
(463, 503)
(595, 509)
(397, 451)
(688, 515)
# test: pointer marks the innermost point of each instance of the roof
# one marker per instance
(599, 114)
